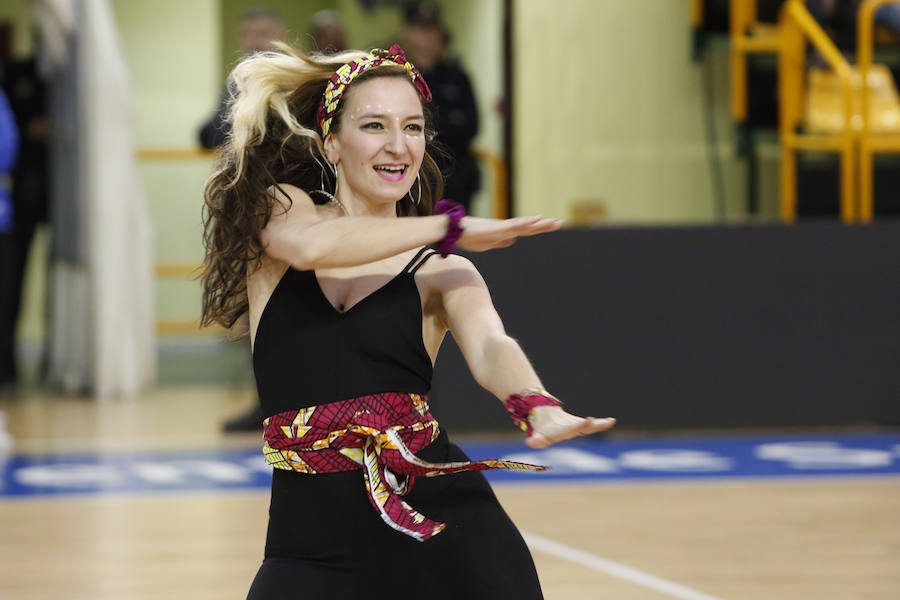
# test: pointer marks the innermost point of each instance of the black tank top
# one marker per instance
(306, 352)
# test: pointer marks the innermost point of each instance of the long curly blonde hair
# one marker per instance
(273, 139)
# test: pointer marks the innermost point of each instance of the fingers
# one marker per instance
(595, 425)
(584, 426)
(535, 225)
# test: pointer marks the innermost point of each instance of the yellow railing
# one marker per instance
(796, 26)
(184, 272)
(494, 163)
(870, 142)
(175, 153)
(497, 166)
(868, 120)
(187, 271)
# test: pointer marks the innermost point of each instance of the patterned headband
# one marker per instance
(342, 78)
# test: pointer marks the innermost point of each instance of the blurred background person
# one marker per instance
(260, 27)
(425, 39)
(9, 146)
(23, 195)
(889, 16)
(328, 32)
(840, 18)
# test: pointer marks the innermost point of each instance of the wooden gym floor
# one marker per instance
(816, 538)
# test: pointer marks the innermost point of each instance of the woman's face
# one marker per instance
(381, 141)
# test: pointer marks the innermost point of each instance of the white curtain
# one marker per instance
(102, 320)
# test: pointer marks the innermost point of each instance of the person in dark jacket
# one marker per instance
(327, 31)
(456, 114)
(23, 204)
(9, 146)
(259, 28)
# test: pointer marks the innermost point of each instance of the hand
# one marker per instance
(552, 424)
(484, 234)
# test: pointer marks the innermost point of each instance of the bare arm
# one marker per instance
(301, 237)
(495, 359)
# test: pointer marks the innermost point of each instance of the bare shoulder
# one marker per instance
(452, 262)
(297, 203)
(288, 195)
(451, 272)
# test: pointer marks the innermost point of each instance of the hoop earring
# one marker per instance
(322, 180)
(414, 200)
(329, 197)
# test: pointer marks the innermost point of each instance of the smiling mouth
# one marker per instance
(391, 172)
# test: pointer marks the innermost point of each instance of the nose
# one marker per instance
(395, 143)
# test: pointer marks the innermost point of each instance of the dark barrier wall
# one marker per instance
(698, 327)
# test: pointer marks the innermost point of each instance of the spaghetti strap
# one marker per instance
(414, 259)
(421, 262)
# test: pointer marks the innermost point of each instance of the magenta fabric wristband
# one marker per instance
(519, 406)
(456, 212)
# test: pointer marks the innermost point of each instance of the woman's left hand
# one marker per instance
(551, 424)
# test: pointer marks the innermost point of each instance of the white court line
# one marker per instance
(615, 569)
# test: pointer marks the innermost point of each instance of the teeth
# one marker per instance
(391, 169)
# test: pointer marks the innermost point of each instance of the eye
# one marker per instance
(373, 125)
(415, 128)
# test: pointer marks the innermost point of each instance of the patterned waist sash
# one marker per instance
(379, 434)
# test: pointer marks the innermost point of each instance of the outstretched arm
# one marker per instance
(298, 235)
(496, 360)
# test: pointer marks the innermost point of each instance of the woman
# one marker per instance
(347, 311)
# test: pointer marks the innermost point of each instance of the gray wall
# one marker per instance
(698, 326)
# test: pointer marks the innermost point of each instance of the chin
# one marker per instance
(391, 195)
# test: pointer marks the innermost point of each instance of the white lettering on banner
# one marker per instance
(243, 469)
(568, 460)
(158, 473)
(257, 463)
(823, 455)
(672, 460)
(179, 472)
(69, 476)
(216, 470)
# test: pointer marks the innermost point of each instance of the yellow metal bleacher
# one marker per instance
(853, 111)
(832, 92)
(880, 107)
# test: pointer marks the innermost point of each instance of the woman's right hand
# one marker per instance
(481, 234)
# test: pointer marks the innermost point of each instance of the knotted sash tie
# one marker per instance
(379, 434)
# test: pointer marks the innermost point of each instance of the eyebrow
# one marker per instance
(419, 116)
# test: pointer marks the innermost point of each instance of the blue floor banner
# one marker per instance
(586, 460)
